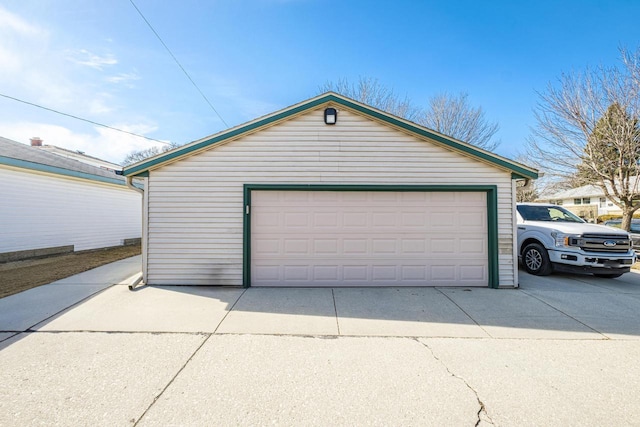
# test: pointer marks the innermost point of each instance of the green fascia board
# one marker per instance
(144, 166)
(221, 137)
(449, 142)
(517, 176)
(492, 215)
(24, 164)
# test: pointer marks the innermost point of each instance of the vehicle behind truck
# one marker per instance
(551, 238)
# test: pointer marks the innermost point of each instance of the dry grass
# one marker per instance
(19, 276)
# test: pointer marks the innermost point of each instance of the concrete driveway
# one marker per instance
(560, 350)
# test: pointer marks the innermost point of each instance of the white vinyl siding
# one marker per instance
(41, 210)
(196, 204)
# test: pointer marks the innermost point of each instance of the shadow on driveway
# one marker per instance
(552, 307)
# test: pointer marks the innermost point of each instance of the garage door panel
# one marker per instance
(267, 273)
(472, 247)
(267, 218)
(267, 247)
(472, 273)
(358, 248)
(413, 273)
(442, 219)
(327, 238)
(326, 272)
(443, 272)
(296, 220)
(295, 197)
(296, 246)
(442, 246)
(355, 246)
(472, 220)
(355, 273)
(413, 219)
(357, 219)
(325, 219)
(326, 247)
(366, 274)
(296, 273)
(413, 246)
(414, 197)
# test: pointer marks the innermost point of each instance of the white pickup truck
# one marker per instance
(551, 238)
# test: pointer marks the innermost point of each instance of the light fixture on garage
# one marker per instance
(330, 116)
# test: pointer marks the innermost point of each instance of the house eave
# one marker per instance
(38, 167)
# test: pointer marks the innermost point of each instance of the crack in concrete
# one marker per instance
(565, 314)
(335, 310)
(159, 395)
(463, 310)
(230, 310)
(482, 414)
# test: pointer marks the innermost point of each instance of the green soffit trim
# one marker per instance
(519, 170)
(24, 164)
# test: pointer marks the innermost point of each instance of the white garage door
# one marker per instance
(368, 238)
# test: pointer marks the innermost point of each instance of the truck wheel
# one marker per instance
(536, 260)
(608, 276)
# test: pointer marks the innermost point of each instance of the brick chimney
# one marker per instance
(36, 142)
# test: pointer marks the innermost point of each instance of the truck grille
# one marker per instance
(604, 243)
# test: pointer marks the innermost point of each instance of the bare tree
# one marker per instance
(445, 113)
(527, 193)
(631, 62)
(527, 190)
(587, 128)
(371, 92)
(452, 115)
(136, 156)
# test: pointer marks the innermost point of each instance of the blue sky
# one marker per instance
(100, 61)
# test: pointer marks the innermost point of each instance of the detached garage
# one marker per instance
(329, 192)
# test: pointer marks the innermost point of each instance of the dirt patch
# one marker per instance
(19, 276)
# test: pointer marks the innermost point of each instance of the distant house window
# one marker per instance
(586, 201)
(577, 201)
(559, 202)
(603, 202)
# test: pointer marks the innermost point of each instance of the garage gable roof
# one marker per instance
(142, 168)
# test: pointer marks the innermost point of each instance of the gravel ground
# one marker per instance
(19, 276)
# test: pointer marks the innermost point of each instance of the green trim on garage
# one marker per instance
(327, 99)
(492, 214)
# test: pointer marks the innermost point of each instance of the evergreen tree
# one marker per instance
(611, 159)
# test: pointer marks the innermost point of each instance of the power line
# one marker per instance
(80, 118)
(179, 65)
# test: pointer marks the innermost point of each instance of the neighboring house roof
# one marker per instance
(19, 155)
(80, 156)
(518, 171)
(574, 193)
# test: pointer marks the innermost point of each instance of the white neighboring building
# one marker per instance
(48, 201)
(588, 201)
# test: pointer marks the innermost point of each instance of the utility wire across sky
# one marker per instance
(122, 130)
(179, 65)
(80, 118)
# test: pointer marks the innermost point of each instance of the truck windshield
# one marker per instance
(546, 213)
